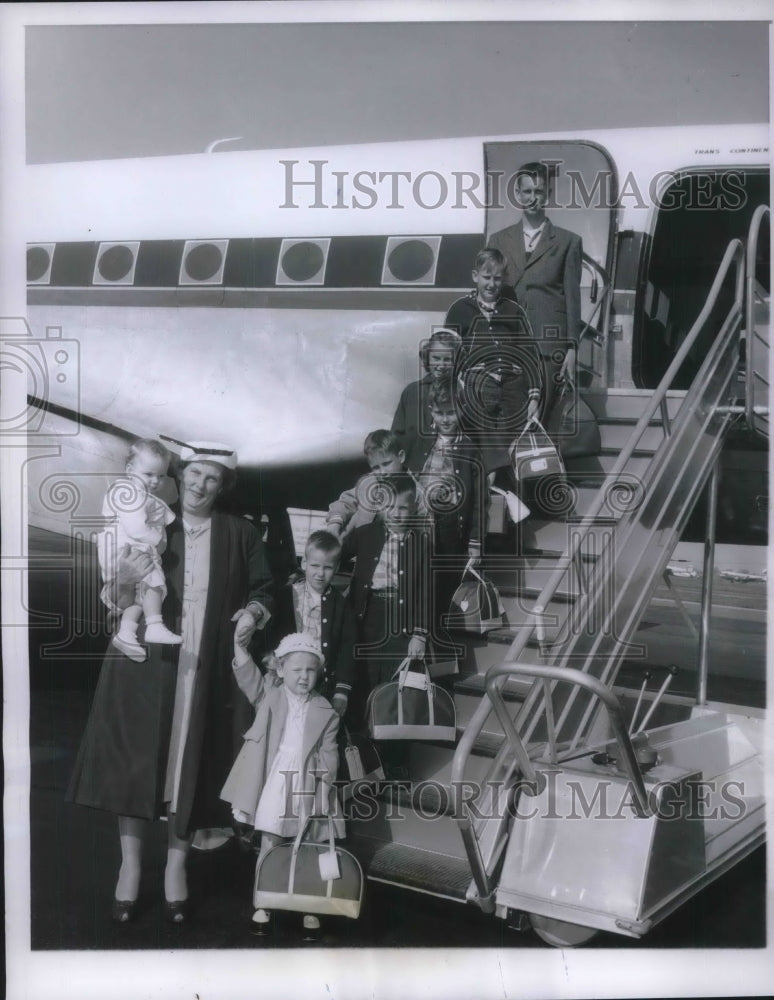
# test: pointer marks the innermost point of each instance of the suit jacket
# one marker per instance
(548, 284)
(319, 756)
(365, 545)
(469, 472)
(339, 635)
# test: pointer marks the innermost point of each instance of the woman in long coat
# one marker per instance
(162, 734)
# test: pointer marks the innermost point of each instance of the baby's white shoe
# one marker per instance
(158, 632)
(130, 647)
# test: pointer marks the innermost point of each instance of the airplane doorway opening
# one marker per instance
(700, 213)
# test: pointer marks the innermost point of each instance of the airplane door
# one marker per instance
(582, 198)
(757, 321)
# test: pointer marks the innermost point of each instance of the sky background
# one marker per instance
(96, 92)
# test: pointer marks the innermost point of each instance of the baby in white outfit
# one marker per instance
(139, 518)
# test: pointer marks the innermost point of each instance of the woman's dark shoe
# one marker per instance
(177, 912)
(123, 911)
(260, 925)
(312, 929)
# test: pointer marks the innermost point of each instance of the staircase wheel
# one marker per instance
(560, 933)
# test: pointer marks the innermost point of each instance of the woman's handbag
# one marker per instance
(534, 455)
(573, 425)
(361, 763)
(411, 707)
(476, 604)
(309, 877)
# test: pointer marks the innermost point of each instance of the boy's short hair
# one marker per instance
(323, 540)
(382, 440)
(396, 484)
(490, 255)
(538, 171)
(439, 338)
(148, 445)
(441, 396)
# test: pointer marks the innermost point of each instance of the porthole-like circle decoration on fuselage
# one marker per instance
(115, 263)
(38, 262)
(302, 261)
(203, 261)
(410, 261)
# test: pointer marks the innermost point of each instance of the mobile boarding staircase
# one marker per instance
(557, 809)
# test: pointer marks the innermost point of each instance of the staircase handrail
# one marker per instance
(569, 675)
(734, 255)
(752, 241)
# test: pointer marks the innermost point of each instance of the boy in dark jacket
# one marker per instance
(312, 605)
(389, 589)
(500, 370)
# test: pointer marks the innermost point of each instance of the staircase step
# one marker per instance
(528, 575)
(628, 404)
(615, 436)
(431, 799)
(514, 689)
(414, 868)
(592, 469)
(380, 821)
(554, 537)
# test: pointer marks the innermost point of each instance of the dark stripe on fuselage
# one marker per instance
(391, 266)
(405, 299)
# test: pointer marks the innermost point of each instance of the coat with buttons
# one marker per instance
(501, 342)
(319, 756)
(365, 545)
(466, 522)
(412, 414)
(338, 638)
(500, 367)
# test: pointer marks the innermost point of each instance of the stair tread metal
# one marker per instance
(415, 868)
(475, 684)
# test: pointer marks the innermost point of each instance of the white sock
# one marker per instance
(128, 629)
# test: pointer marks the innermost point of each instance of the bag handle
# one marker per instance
(470, 568)
(428, 691)
(302, 827)
(403, 678)
(405, 663)
(532, 422)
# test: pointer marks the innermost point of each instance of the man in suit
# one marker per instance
(544, 269)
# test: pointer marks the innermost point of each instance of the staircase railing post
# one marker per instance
(706, 584)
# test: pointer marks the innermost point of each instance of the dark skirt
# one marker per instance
(122, 761)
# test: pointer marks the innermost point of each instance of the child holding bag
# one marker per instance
(287, 766)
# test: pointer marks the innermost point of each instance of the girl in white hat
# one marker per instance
(287, 766)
